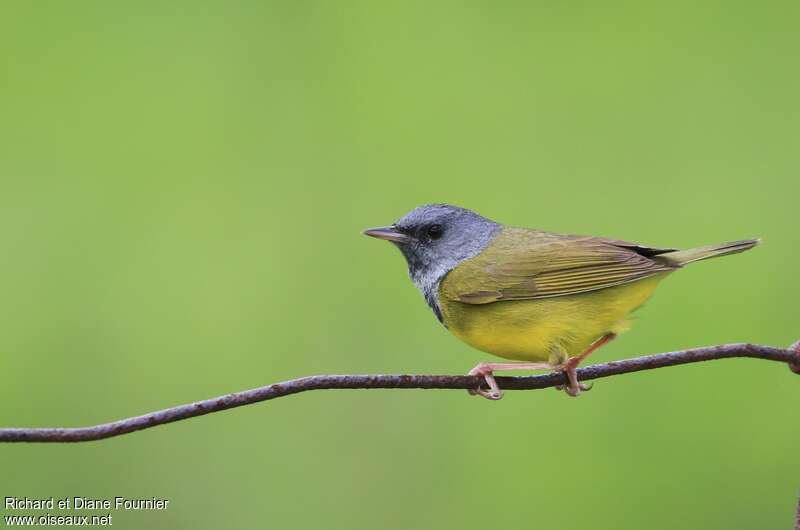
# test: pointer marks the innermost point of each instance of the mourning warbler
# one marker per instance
(528, 295)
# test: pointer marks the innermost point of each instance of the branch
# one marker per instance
(789, 356)
(797, 517)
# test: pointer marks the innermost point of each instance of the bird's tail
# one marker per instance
(682, 257)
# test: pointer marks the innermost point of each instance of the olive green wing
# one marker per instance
(522, 264)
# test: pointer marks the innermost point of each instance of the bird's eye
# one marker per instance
(435, 231)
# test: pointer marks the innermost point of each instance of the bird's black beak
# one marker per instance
(388, 233)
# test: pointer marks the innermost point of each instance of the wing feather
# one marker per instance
(535, 264)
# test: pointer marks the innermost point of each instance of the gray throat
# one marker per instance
(428, 285)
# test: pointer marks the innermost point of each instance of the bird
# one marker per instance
(540, 299)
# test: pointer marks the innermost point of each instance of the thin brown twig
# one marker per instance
(790, 356)
(797, 517)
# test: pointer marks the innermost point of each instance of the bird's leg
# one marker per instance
(487, 371)
(570, 365)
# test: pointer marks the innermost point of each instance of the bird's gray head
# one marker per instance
(434, 239)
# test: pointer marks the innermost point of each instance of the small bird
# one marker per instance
(546, 299)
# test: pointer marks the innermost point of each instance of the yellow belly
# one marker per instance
(547, 329)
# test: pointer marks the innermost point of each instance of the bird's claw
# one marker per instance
(574, 387)
(576, 391)
(494, 393)
(583, 387)
(488, 394)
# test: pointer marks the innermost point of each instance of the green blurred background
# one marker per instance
(182, 189)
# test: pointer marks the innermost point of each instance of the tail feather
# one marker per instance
(682, 257)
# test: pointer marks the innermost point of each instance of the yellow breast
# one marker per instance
(547, 329)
